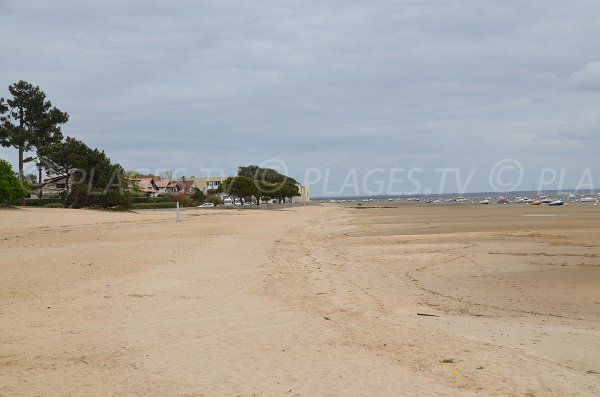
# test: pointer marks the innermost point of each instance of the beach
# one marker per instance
(323, 300)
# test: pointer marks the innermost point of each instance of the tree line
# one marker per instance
(30, 123)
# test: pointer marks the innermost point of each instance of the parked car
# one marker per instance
(206, 205)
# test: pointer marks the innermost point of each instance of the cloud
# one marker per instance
(588, 78)
(342, 84)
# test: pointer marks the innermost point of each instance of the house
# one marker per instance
(166, 185)
(209, 185)
(50, 187)
(155, 185)
(146, 184)
(187, 185)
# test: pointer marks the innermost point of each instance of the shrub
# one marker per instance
(154, 206)
(160, 199)
(54, 205)
(214, 199)
(183, 199)
(101, 199)
(42, 202)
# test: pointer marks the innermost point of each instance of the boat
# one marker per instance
(502, 200)
(484, 201)
(536, 202)
(587, 199)
(545, 200)
(556, 202)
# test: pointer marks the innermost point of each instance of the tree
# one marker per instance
(97, 182)
(29, 121)
(198, 195)
(264, 174)
(289, 190)
(91, 178)
(63, 158)
(268, 181)
(11, 188)
(239, 186)
(31, 178)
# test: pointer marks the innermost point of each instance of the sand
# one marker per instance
(415, 300)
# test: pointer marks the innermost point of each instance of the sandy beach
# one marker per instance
(331, 300)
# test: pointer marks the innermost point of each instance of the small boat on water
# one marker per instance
(536, 202)
(545, 200)
(587, 199)
(556, 202)
(502, 200)
(484, 201)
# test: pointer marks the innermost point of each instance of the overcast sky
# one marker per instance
(331, 88)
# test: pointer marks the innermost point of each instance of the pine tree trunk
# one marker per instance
(21, 173)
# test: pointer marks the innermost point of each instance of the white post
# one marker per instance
(178, 219)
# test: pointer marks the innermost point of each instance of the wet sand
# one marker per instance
(317, 301)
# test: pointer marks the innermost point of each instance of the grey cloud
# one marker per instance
(338, 84)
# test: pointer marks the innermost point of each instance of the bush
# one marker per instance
(42, 202)
(11, 188)
(183, 199)
(100, 199)
(161, 199)
(214, 199)
(54, 205)
(154, 206)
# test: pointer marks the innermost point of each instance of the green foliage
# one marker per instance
(268, 183)
(264, 174)
(31, 178)
(198, 195)
(28, 120)
(96, 182)
(145, 199)
(240, 186)
(11, 188)
(54, 205)
(182, 198)
(42, 202)
(214, 199)
(130, 174)
(136, 192)
(152, 206)
(63, 158)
